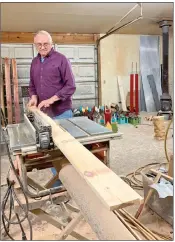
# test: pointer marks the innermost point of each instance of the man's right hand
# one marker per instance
(33, 101)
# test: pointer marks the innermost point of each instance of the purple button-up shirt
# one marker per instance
(52, 77)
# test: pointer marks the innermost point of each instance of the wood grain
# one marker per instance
(2, 94)
(8, 91)
(110, 188)
(16, 91)
(58, 38)
(122, 95)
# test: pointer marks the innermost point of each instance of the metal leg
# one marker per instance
(39, 193)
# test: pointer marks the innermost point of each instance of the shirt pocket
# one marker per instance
(53, 71)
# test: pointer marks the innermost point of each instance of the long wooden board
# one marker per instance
(110, 188)
(16, 92)
(122, 95)
(8, 91)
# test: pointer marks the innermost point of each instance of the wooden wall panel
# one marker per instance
(27, 37)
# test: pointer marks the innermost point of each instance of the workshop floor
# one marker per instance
(137, 148)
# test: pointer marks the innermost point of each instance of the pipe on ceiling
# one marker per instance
(124, 25)
(123, 17)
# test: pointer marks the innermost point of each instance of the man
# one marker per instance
(52, 83)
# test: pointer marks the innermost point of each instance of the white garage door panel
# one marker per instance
(83, 62)
(85, 102)
(84, 73)
(86, 54)
(4, 52)
(23, 52)
(76, 53)
(23, 74)
(84, 91)
(69, 52)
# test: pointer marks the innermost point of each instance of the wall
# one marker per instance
(117, 54)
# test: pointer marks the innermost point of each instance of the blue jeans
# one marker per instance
(65, 115)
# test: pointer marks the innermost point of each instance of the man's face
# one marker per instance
(43, 44)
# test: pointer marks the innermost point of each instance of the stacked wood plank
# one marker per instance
(11, 93)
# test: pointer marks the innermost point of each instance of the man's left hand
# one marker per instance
(48, 102)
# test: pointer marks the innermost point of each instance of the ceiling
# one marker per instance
(82, 17)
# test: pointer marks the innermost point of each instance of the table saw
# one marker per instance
(42, 143)
(32, 144)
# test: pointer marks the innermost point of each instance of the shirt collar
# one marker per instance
(48, 55)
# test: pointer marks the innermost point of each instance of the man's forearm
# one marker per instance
(55, 98)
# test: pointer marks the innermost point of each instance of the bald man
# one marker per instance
(52, 82)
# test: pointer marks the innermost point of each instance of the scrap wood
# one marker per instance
(147, 233)
(149, 118)
(12, 176)
(110, 188)
(127, 225)
(8, 91)
(2, 97)
(150, 192)
(169, 178)
(162, 236)
(15, 91)
(122, 95)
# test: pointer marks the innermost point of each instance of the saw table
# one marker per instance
(31, 143)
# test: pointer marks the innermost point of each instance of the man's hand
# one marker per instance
(33, 101)
(48, 102)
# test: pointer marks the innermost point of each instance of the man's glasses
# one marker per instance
(39, 45)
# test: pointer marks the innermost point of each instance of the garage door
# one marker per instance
(83, 59)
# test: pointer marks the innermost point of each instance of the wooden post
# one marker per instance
(8, 91)
(16, 92)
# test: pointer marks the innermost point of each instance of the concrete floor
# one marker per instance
(137, 148)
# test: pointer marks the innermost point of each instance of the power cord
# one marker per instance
(132, 178)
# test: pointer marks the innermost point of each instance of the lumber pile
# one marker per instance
(10, 104)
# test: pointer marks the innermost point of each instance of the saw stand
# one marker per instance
(61, 197)
(26, 161)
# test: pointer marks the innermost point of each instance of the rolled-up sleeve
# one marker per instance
(68, 80)
(32, 88)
